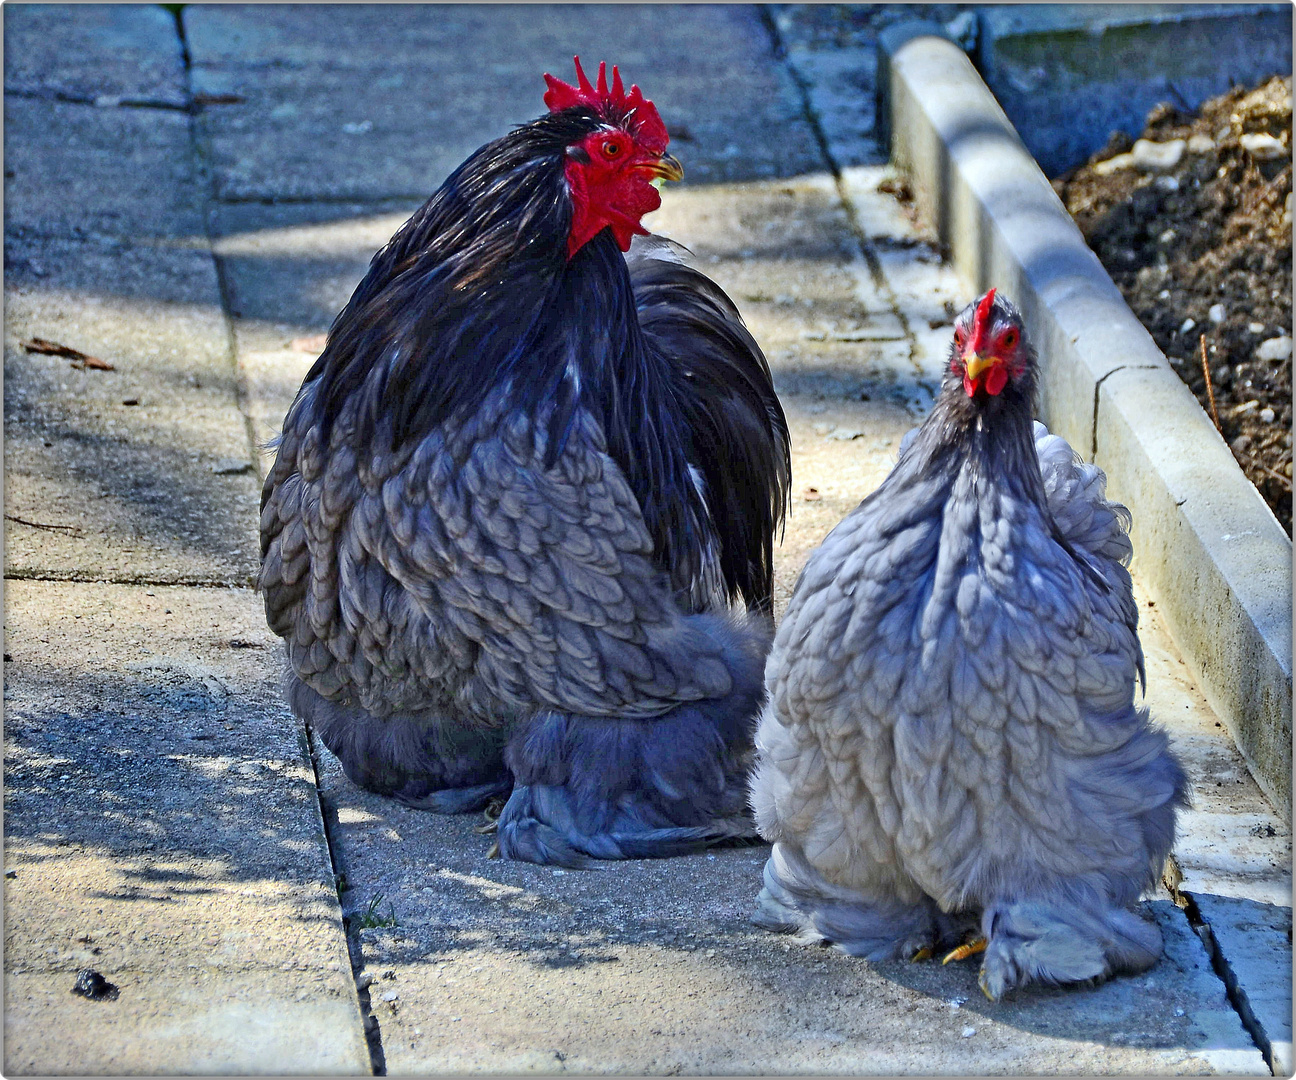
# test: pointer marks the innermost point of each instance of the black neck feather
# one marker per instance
(474, 293)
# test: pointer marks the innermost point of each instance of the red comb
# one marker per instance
(650, 131)
(981, 321)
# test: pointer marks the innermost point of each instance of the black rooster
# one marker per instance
(518, 494)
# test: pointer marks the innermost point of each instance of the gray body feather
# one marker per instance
(951, 728)
(511, 508)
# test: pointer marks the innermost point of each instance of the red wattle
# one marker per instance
(996, 379)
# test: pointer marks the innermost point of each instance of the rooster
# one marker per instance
(518, 533)
(951, 734)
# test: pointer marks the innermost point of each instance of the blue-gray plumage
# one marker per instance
(518, 533)
(951, 732)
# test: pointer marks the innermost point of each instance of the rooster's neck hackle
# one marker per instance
(477, 292)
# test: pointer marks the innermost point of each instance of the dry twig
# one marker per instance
(1210, 390)
(1256, 463)
(70, 530)
(78, 358)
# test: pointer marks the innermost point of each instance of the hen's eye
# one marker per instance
(1010, 339)
(959, 338)
(611, 149)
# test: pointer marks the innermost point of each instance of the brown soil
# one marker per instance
(1213, 229)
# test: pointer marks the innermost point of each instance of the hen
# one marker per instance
(951, 732)
(518, 532)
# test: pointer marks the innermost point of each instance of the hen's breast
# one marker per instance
(945, 660)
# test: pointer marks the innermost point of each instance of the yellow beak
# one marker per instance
(978, 365)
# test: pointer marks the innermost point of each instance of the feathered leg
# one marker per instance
(638, 788)
(1033, 941)
(421, 760)
(796, 899)
(1081, 928)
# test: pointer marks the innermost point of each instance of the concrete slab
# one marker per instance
(74, 169)
(421, 87)
(162, 828)
(129, 52)
(142, 473)
(1005, 227)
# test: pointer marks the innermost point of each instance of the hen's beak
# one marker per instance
(978, 365)
(667, 167)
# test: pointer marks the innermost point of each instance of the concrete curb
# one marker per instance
(1212, 553)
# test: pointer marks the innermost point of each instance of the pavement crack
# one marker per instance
(1093, 425)
(1237, 997)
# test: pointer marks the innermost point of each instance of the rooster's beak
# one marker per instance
(667, 167)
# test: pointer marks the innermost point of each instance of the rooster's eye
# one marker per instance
(611, 149)
(959, 338)
(1010, 339)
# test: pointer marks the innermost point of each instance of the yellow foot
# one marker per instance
(925, 953)
(491, 813)
(970, 948)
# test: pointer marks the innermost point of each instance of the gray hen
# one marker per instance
(951, 732)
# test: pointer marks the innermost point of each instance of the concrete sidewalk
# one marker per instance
(186, 199)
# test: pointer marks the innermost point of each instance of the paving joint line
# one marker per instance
(74, 577)
(328, 820)
(867, 248)
(369, 1021)
(364, 198)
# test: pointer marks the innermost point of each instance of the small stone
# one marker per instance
(1167, 183)
(90, 984)
(1216, 313)
(1241, 443)
(1256, 327)
(364, 980)
(1164, 294)
(1188, 324)
(1200, 144)
(1263, 147)
(1267, 415)
(1279, 348)
(845, 434)
(1157, 157)
(1167, 237)
(968, 1032)
(1114, 164)
(1179, 1012)
(391, 995)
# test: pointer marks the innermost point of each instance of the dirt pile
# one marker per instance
(1193, 222)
